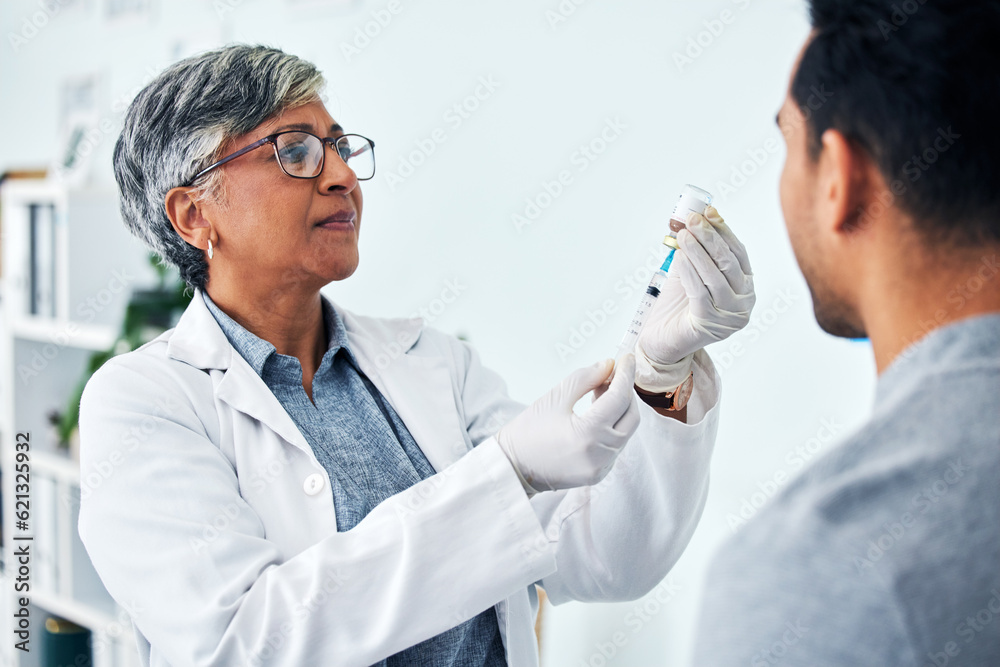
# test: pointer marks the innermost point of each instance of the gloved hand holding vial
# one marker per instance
(692, 200)
(702, 294)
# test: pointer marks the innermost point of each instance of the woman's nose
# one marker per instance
(336, 176)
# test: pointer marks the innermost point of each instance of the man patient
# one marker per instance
(887, 550)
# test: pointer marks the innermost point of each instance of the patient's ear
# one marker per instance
(843, 183)
(187, 217)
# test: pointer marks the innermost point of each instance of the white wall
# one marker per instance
(524, 292)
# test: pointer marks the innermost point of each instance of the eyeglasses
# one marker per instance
(302, 154)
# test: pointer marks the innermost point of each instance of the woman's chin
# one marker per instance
(332, 263)
(343, 269)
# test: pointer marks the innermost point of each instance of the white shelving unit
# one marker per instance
(69, 267)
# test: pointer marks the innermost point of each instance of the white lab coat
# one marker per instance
(208, 517)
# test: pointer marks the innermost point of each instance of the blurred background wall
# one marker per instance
(529, 154)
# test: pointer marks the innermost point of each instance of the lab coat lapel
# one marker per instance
(418, 387)
(246, 392)
(199, 340)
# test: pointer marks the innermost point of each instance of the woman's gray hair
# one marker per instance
(177, 125)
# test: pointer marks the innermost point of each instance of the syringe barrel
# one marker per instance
(642, 312)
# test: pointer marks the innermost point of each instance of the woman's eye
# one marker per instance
(294, 154)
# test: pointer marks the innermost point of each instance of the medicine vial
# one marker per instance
(694, 200)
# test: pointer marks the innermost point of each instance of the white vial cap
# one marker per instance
(692, 199)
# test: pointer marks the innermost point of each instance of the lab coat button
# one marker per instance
(313, 484)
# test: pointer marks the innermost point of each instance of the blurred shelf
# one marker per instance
(57, 466)
(73, 610)
(65, 254)
(66, 333)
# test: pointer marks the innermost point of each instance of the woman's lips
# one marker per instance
(338, 221)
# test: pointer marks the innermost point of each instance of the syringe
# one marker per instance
(692, 199)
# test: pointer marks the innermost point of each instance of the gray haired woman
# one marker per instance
(275, 488)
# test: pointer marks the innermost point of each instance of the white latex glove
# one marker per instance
(708, 296)
(551, 447)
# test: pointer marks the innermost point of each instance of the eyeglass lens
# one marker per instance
(301, 154)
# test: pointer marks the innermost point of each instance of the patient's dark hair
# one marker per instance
(916, 85)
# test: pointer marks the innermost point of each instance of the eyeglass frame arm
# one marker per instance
(270, 139)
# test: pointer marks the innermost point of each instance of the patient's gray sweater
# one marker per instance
(887, 550)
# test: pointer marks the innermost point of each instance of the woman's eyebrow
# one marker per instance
(307, 127)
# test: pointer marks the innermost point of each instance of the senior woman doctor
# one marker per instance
(283, 492)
